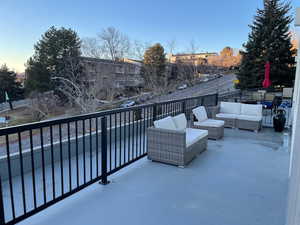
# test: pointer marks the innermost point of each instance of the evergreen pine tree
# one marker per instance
(48, 58)
(269, 40)
(9, 84)
(155, 66)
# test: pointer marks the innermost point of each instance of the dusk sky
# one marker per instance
(212, 24)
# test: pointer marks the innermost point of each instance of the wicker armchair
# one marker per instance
(200, 120)
(175, 146)
(170, 147)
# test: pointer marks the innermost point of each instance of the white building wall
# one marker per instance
(293, 209)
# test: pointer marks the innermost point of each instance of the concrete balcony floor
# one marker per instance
(240, 180)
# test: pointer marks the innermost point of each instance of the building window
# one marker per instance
(120, 69)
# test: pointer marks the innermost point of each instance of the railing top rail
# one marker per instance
(47, 123)
(230, 93)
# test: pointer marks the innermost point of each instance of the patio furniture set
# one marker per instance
(172, 141)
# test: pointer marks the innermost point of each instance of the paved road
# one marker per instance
(16, 104)
(221, 85)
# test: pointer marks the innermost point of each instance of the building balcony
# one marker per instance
(239, 180)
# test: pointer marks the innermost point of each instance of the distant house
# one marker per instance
(124, 73)
(195, 59)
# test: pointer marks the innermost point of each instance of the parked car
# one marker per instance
(128, 104)
(184, 86)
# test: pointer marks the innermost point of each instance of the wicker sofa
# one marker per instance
(215, 128)
(170, 141)
(238, 115)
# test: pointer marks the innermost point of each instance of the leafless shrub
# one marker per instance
(42, 105)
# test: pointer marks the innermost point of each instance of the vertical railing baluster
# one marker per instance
(217, 99)
(133, 135)
(61, 159)
(202, 101)
(76, 149)
(22, 172)
(43, 165)
(124, 141)
(104, 180)
(97, 148)
(110, 142)
(183, 106)
(91, 150)
(173, 109)
(10, 178)
(154, 114)
(83, 149)
(52, 162)
(144, 135)
(69, 157)
(2, 213)
(32, 169)
(115, 142)
(140, 124)
(129, 138)
(120, 139)
(137, 137)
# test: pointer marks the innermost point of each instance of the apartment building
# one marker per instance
(196, 58)
(124, 73)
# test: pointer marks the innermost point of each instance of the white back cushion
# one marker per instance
(230, 107)
(251, 110)
(180, 121)
(200, 113)
(166, 123)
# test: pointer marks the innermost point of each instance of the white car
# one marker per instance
(127, 104)
(184, 86)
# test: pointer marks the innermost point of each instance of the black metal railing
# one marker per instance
(234, 96)
(42, 163)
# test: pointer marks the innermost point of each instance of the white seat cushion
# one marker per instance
(210, 123)
(227, 116)
(251, 110)
(180, 121)
(230, 108)
(250, 118)
(200, 113)
(194, 135)
(166, 123)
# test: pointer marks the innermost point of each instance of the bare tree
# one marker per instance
(91, 48)
(84, 90)
(193, 47)
(76, 86)
(139, 48)
(115, 45)
(171, 46)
